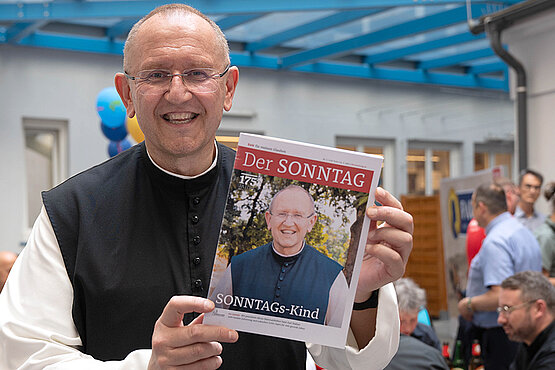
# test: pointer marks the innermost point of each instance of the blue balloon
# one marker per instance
(114, 133)
(110, 108)
(116, 147)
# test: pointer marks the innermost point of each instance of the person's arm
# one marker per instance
(36, 326)
(484, 302)
(37, 329)
(385, 257)
(378, 352)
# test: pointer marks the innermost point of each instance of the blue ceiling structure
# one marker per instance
(413, 41)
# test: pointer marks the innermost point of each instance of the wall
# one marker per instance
(62, 85)
(533, 43)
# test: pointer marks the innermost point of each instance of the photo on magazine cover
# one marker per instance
(287, 248)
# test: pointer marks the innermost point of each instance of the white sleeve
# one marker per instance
(336, 301)
(36, 325)
(377, 354)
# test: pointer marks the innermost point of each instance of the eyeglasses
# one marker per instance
(506, 310)
(157, 81)
(296, 217)
(531, 187)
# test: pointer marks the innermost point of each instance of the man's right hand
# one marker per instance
(193, 346)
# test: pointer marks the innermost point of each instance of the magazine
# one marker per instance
(292, 239)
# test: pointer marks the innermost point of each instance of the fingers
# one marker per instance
(178, 306)
(387, 259)
(386, 199)
(174, 344)
(397, 241)
(391, 212)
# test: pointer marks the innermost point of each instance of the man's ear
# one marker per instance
(124, 91)
(267, 216)
(312, 222)
(230, 85)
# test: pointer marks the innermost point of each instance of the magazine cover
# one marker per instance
(292, 239)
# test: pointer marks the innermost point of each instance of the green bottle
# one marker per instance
(458, 362)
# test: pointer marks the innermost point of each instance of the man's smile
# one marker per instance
(179, 118)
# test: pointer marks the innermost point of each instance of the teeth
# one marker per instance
(179, 117)
(287, 232)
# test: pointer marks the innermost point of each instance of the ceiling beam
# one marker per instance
(73, 43)
(227, 23)
(410, 76)
(487, 68)
(55, 10)
(310, 28)
(412, 27)
(397, 54)
(456, 59)
(17, 31)
(121, 28)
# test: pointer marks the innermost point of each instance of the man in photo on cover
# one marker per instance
(286, 277)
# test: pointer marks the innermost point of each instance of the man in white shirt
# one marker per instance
(106, 240)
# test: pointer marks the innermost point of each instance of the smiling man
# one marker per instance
(288, 277)
(117, 267)
(527, 312)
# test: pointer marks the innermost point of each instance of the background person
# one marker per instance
(529, 187)
(507, 249)
(411, 300)
(119, 259)
(288, 271)
(526, 312)
(474, 233)
(7, 259)
(545, 233)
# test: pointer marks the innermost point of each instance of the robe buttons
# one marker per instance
(196, 240)
(196, 201)
(195, 219)
(196, 261)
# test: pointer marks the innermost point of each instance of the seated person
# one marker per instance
(411, 299)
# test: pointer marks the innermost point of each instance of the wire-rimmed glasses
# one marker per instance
(197, 80)
(296, 217)
(506, 310)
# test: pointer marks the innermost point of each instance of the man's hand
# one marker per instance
(387, 248)
(193, 346)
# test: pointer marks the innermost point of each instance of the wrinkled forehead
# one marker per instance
(172, 30)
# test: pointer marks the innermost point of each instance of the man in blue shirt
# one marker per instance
(507, 249)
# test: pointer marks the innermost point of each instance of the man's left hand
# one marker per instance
(387, 248)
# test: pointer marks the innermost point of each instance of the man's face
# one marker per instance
(409, 320)
(477, 212)
(289, 220)
(177, 123)
(529, 188)
(511, 194)
(518, 324)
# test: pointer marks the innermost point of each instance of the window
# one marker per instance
(373, 146)
(491, 154)
(45, 160)
(427, 164)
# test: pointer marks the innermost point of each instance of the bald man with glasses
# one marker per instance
(292, 278)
